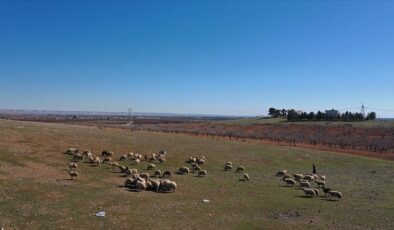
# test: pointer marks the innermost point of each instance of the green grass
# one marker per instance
(36, 193)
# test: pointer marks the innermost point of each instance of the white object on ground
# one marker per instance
(100, 214)
(205, 201)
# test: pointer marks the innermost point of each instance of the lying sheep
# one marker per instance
(167, 186)
(290, 182)
(183, 170)
(140, 186)
(228, 167)
(151, 167)
(71, 151)
(240, 168)
(155, 184)
(72, 165)
(246, 176)
(123, 157)
(167, 174)
(281, 173)
(320, 183)
(309, 192)
(336, 194)
(304, 183)
(73, 174)
(202, 173)
(157, 173)
(145, 176)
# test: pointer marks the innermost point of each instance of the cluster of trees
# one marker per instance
(293, 115)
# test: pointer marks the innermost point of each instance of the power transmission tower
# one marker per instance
(363, 110)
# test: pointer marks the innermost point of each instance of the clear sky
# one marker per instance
(206, 57)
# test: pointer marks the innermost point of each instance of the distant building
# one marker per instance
(332, 114)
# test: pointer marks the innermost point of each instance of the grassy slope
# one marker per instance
(35, 192)
(283, 121)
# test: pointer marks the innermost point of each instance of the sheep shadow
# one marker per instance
(329, 199)
(304, 196)
(242, 179)
(68, 179)
(133, 190)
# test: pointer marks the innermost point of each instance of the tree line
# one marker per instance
(293, 115)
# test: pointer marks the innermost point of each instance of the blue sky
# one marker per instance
(205, 57)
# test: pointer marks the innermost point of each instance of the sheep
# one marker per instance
(304, 183)
(196, 168)
(87, 153)
(191, 160)
(114, 164)
(72, 165)
(167, 174)
(78, 157)
(129, 182)
(202, 173)
(240, 168)
(128, 172)
(309, 192)
(155, 185)
(286, 176)
(107, 159)
(246, 176)
(200, 161)
(290, 182)
(336, 194)
(229, 163)
(148, 185)
(320, 183)
(122, 168)
(140, 186)
(130, 155)
(73, 174)
(322, 178)
(123, 157)
(316, 191)
(137, 161)
(106, 153)
(157, 173)
(167, 186)
(228, 167)
(144, 175)
(91, 159)
(183, 170)
(309, 177)
(281, 173)
(298, 177)
(162, 160)
(71, 151)
(326, 191)
(151, 167)
(96, 161)
(163, 153)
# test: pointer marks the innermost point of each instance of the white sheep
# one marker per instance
(298, 177)
(336, 194)
(240, 168)
(320, 183)
(137, 161)
(228, 167)
(304, 183)
(246, 176)
(106, 153)
(309, 192)
(145, 176)
(183, 170)
(322, 177)
(162, 160)
(78, 157)
(107, 159)
(196, 168)
(140, 186)
(202, 173)
(130, 155)
(151, 167)
(309, 177)
(281, 173)
(123, 157)
(73, 174)
(71, 151)
(72, 165)
(290, 182)
(167, 186)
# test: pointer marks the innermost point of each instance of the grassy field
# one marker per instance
(36, 192)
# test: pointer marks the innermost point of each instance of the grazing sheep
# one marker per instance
(286, 176)
(87, 153)
(281, 173)
(145, 176)
(71, 151)
(228, 167)
(202, 173)
(123, 157)
(72, 165)
(196, 168)
(304, 183)
(290, 182)
(167, 186)
(122, 168)
(114, 164)
(309, 178)
(157, 173)
(191, 160)
(229, 163)
(183, 170)
(107, 159)
(323, 178)
(137, 161)
(162, 160)
(320, 183)
(309, 192)
(97, 161)
(128, 172)
(155, 185)
(78, 157)
(336, 194)
(240, 168)
(91, 159)
(326, 191)
(167, 174)
(298, 177)
(316, 191)
(151, 167)
(73, 174)
(106, 153)
(246, 176)
(200, 161)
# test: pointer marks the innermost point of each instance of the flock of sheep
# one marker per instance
(306, 182)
